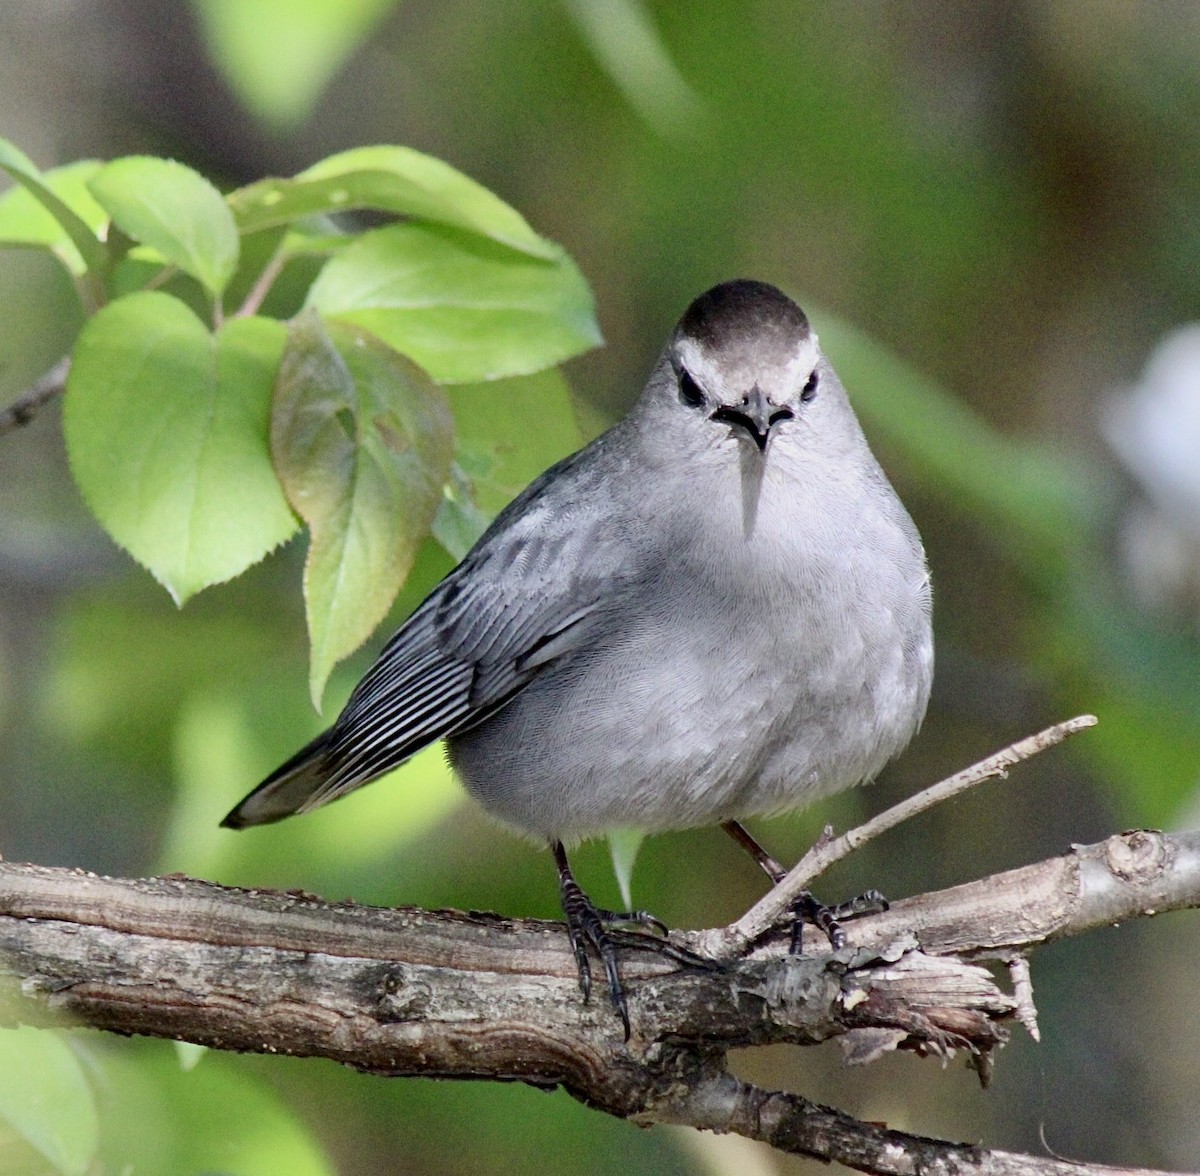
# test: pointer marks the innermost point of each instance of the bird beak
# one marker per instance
(755, 414)
(758, 410)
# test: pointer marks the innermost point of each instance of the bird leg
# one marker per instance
(588, 924)
(807, 908)
(742, 836)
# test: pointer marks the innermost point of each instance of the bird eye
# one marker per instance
(810, 388)
(689, 391)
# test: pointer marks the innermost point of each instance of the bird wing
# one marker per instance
(526, 595)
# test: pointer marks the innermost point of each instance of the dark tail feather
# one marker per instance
(287, 789)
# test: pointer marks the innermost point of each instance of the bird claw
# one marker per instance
(635, 918)
(586, 926)
(808, 909)
(589, 926)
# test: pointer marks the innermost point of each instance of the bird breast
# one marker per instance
(757, 659)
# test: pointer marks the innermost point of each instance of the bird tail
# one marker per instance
(287, 790)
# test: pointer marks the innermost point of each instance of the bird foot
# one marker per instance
(808, 909)
(587, 926)
(642, 919)
(594, 927)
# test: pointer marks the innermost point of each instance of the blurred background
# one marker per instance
(990, 213)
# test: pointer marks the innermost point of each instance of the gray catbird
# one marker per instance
(718, 608)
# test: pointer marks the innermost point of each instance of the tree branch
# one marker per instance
(473, 995)
(26, 406)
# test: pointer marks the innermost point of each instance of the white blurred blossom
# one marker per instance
(1154, 427)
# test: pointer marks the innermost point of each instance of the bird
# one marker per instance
(717, 609)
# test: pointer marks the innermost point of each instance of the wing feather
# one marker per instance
(528, 594)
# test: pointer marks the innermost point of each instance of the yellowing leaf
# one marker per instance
(362, 440)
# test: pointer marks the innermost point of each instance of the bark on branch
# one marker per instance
(443, 993)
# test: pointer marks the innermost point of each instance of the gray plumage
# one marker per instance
(717, 609)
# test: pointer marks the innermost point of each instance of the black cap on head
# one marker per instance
(743, 309)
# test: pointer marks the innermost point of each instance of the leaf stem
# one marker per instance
(262, 285)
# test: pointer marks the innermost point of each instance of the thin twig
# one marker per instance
(772, 908)
(22, 410)
(161, 278)
(262, 284)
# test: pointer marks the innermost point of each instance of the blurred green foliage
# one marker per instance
(46, 1103)
(279, 55)
(989, 212)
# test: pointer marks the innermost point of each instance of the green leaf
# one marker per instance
(25, 221)
(77, 245)
(175, 211)
(46, 1099)
(167, 433)
(398, 180)
(460, 520)
(623, 845)
(190, 1054)
(509, 431)
(362, 440)
(279, 55)
(315, 236)
(463, 307)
